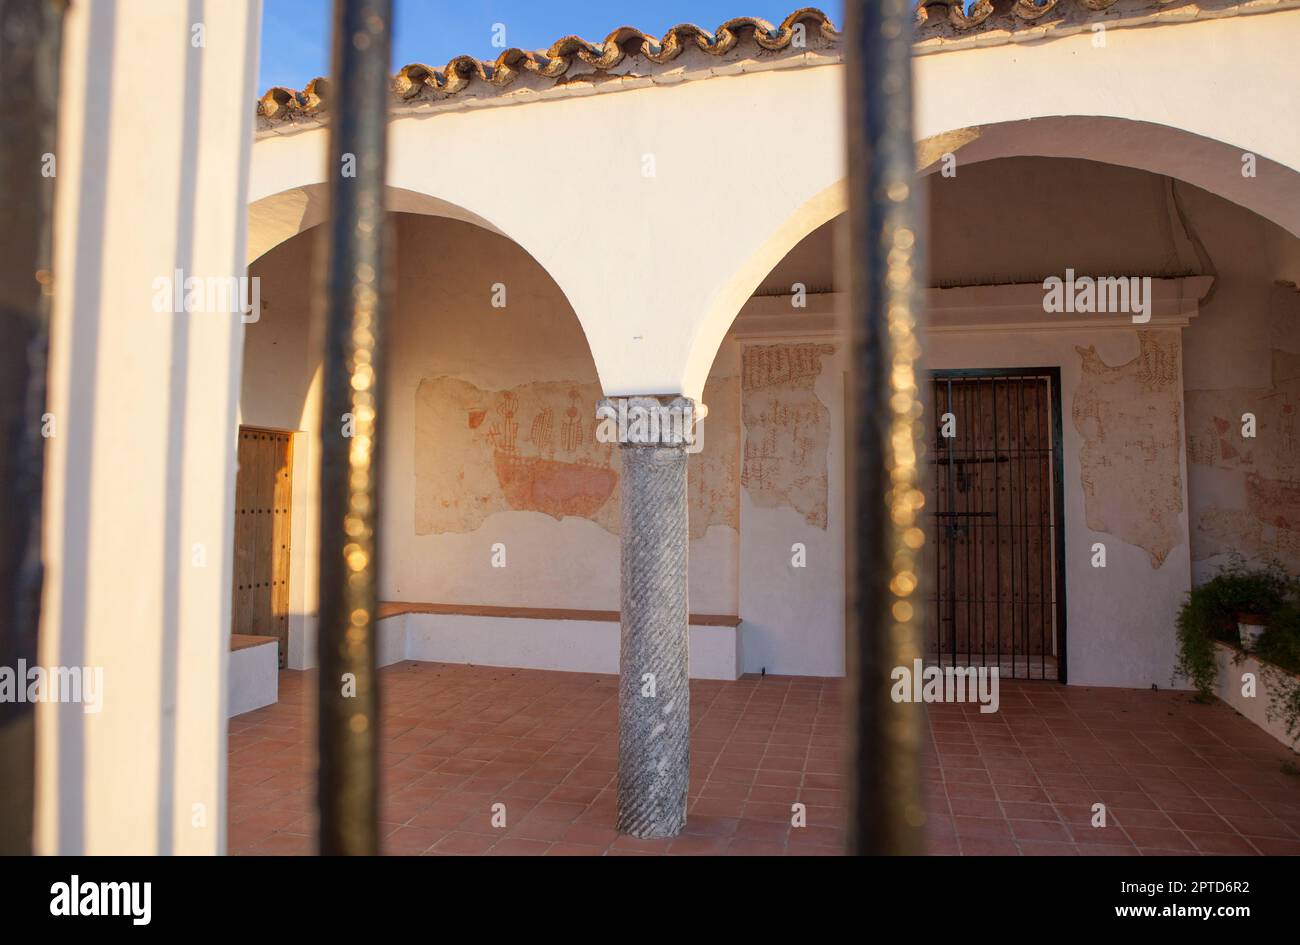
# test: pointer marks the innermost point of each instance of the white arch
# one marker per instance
(1215, 166)
(280, 216)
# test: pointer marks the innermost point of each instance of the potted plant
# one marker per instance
(1256, 612)
(1250, 627)
(1213, 611)
(1278, 652)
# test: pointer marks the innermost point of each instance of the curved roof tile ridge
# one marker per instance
(1026, 10)
(625, 52)
(418, 80)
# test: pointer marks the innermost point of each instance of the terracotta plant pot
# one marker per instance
(1249, 628)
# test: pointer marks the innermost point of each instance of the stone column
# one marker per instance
(654, 711)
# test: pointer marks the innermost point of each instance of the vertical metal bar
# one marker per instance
(1010, 522)
(1024, 518)
(1031, 457)
(970, 521)
(990, 519)
(943, 508)
(958, 520)
(979, 415)
(950, 539)
(997, 529)
(354, 274)
(1025, 521)
(1012, 464)
(1028, 527)
(30, 40)
(939, 496)
(1058, 532)
(1040, 460)
(1013, 428)
(885, 811)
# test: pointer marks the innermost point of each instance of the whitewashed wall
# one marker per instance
(140, 487)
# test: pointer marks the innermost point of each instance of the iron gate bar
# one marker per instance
(969, 535)
(1024, 520)
(997, 535)
(1042, 543)
(1031, 437)
(976, 504)
(31, 35)
(1013, 448)
(964, 533)
(1051, 593)
(885, 813)
(354, 279)
(1058, 532)
(1025, 524)
(984, 570)
(949, 537)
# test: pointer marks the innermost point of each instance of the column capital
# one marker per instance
(667, 420)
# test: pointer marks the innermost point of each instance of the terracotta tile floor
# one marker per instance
(1176, 777)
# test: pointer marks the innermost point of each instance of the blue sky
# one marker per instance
(295, 33)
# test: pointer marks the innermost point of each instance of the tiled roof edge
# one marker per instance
(630, 58)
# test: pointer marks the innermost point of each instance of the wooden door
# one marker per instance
(262, 535)
(995, 495)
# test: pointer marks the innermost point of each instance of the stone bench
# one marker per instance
(583, 641)
(254, 672)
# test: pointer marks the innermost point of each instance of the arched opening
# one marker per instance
(499, 522)
(475, 321)
(1253, 181)
(283, 215)
(1169, 499)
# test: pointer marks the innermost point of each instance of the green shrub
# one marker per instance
(1210, 614)
(1279, 645)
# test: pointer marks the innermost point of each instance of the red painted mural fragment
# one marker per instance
(1274, 502)
(553, 487)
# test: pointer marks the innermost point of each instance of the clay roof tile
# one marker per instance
(627, 51)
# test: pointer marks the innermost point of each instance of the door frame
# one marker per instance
(1053, 374)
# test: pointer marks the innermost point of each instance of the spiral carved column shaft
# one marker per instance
(654, 694)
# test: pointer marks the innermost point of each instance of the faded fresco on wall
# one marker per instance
(1264, 520)
(787, 428)
(1130, 418)
(533, 448)
(1214, 424)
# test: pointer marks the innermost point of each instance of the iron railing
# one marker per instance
(885, 563)
(354, 278)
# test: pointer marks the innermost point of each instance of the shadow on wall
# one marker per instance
(177, 395)
(86, 291)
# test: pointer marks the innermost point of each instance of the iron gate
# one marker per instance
(998, 598)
